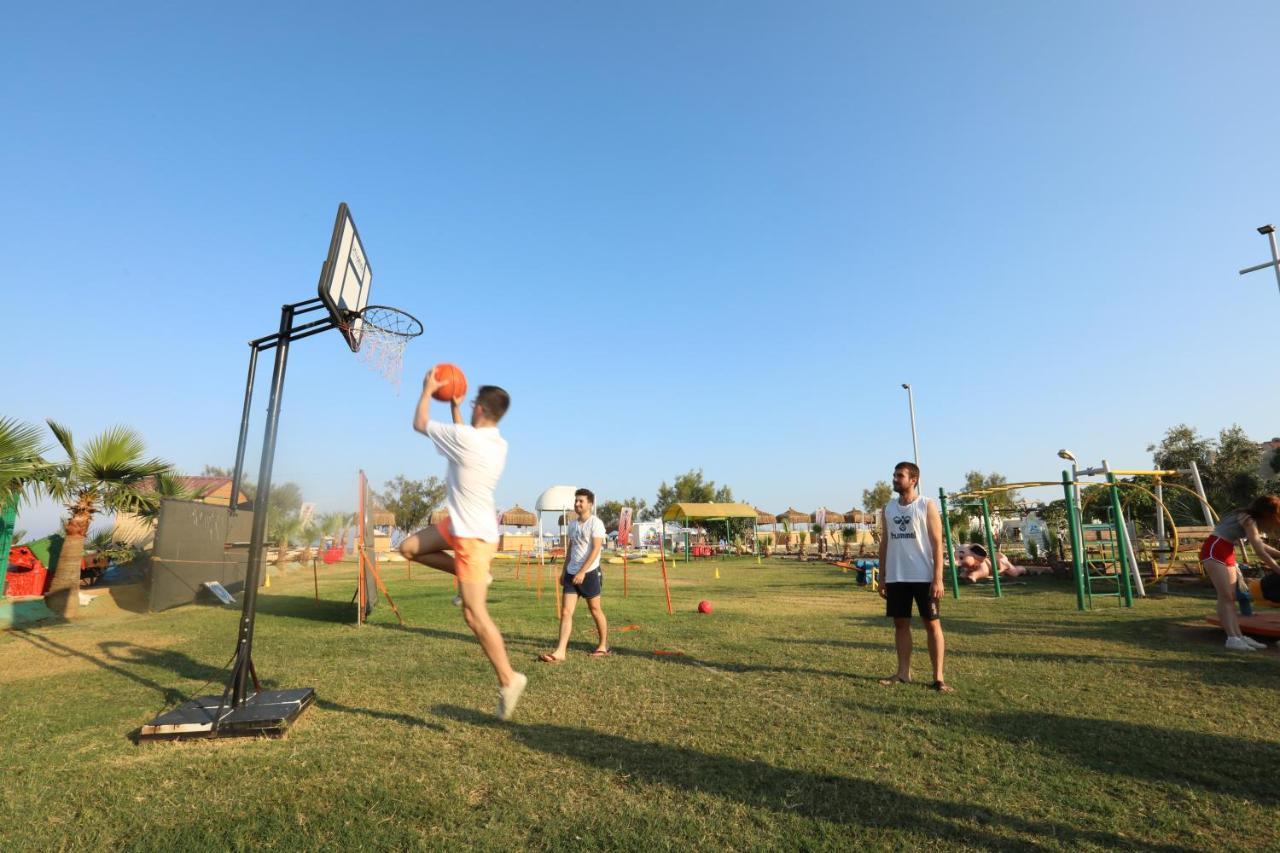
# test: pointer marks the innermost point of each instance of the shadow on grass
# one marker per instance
(1234, 766)
(838, 799)
(1217, 669)
(404, 719)
(122, 659)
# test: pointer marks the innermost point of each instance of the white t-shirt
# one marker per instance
(476, 459)
(580, 536)
(909, 552)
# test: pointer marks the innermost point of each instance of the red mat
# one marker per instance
(1260, 624)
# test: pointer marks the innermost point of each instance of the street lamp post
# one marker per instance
(1270, 232)
(911, 404)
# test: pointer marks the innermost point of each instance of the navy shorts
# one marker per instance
(898, 598)
(591, 587)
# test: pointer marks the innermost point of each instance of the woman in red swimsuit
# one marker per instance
(1218, 557)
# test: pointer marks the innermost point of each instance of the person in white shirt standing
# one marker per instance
(582, 576)
(911, 559)
(477, 453)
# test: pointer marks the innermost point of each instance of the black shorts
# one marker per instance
(898, 598)
(591, 587)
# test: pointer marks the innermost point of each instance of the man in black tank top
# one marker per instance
(911, 565)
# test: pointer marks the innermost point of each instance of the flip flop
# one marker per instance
(891, 680)
(942, 687)
(601, 653)
(549, 658)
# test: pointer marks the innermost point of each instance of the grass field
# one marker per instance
(1068, 730)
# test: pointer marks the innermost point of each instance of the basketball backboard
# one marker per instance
(346, 278)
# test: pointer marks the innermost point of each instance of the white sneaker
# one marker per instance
(1251, 641)
(457, 601)
(1238, 644)
(510, 695)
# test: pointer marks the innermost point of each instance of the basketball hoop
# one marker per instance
(382, 332)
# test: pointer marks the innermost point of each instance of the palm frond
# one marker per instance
(116, 450)
(63, 435)
(21, 460)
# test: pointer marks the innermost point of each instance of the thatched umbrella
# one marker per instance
(439, 515)
(828, 516)
(518, 517)
(857, 516)
(763, 518)
(793, 517)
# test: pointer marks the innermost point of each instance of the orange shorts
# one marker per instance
(471, 557)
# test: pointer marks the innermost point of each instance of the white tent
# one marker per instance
(554, 499)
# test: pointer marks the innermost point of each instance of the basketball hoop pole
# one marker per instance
(243, 671)
(286, 334)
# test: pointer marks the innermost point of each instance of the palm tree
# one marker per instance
(850, 536)
(283, 529)
(21, 460)
(309, 533)
(170, 485)
(109, 473)
(21, 463)
(331, 525)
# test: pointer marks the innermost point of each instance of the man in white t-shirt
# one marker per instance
(477, 453)
(911, 560)
(582, 576)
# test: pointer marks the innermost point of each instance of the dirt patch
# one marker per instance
(1195, 633)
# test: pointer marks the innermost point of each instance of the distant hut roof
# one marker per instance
(793, 516)
(519, 517)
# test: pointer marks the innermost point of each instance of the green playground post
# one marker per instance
(992, 556)
(1117, 519)
(951, 551)
(8, 517)
(1077, 540)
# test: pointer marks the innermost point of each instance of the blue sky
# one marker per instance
(683, 235)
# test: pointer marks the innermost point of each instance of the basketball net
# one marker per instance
(384, 332)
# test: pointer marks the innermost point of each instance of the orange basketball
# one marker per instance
(453, 382)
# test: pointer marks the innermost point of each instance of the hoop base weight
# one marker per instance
(269, 712)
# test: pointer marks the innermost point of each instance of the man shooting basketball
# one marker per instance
(477, 454)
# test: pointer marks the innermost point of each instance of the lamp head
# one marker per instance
(1067, 455)
(1266, 229)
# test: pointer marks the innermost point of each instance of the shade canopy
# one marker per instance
(518, 517)
(555, 499)
(763, 517)
(857, 516)
(708, 512)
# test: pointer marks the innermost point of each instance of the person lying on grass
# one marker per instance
(974, 565)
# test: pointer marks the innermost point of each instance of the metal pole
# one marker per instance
(946, 538)
(1204, 501)
(1275, 255)
(1270, 231)
(244, 645)
(1077, 541)
(911, 405)
(1122, 531)
(992, 557)
(236, 475)
(1127, 568)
